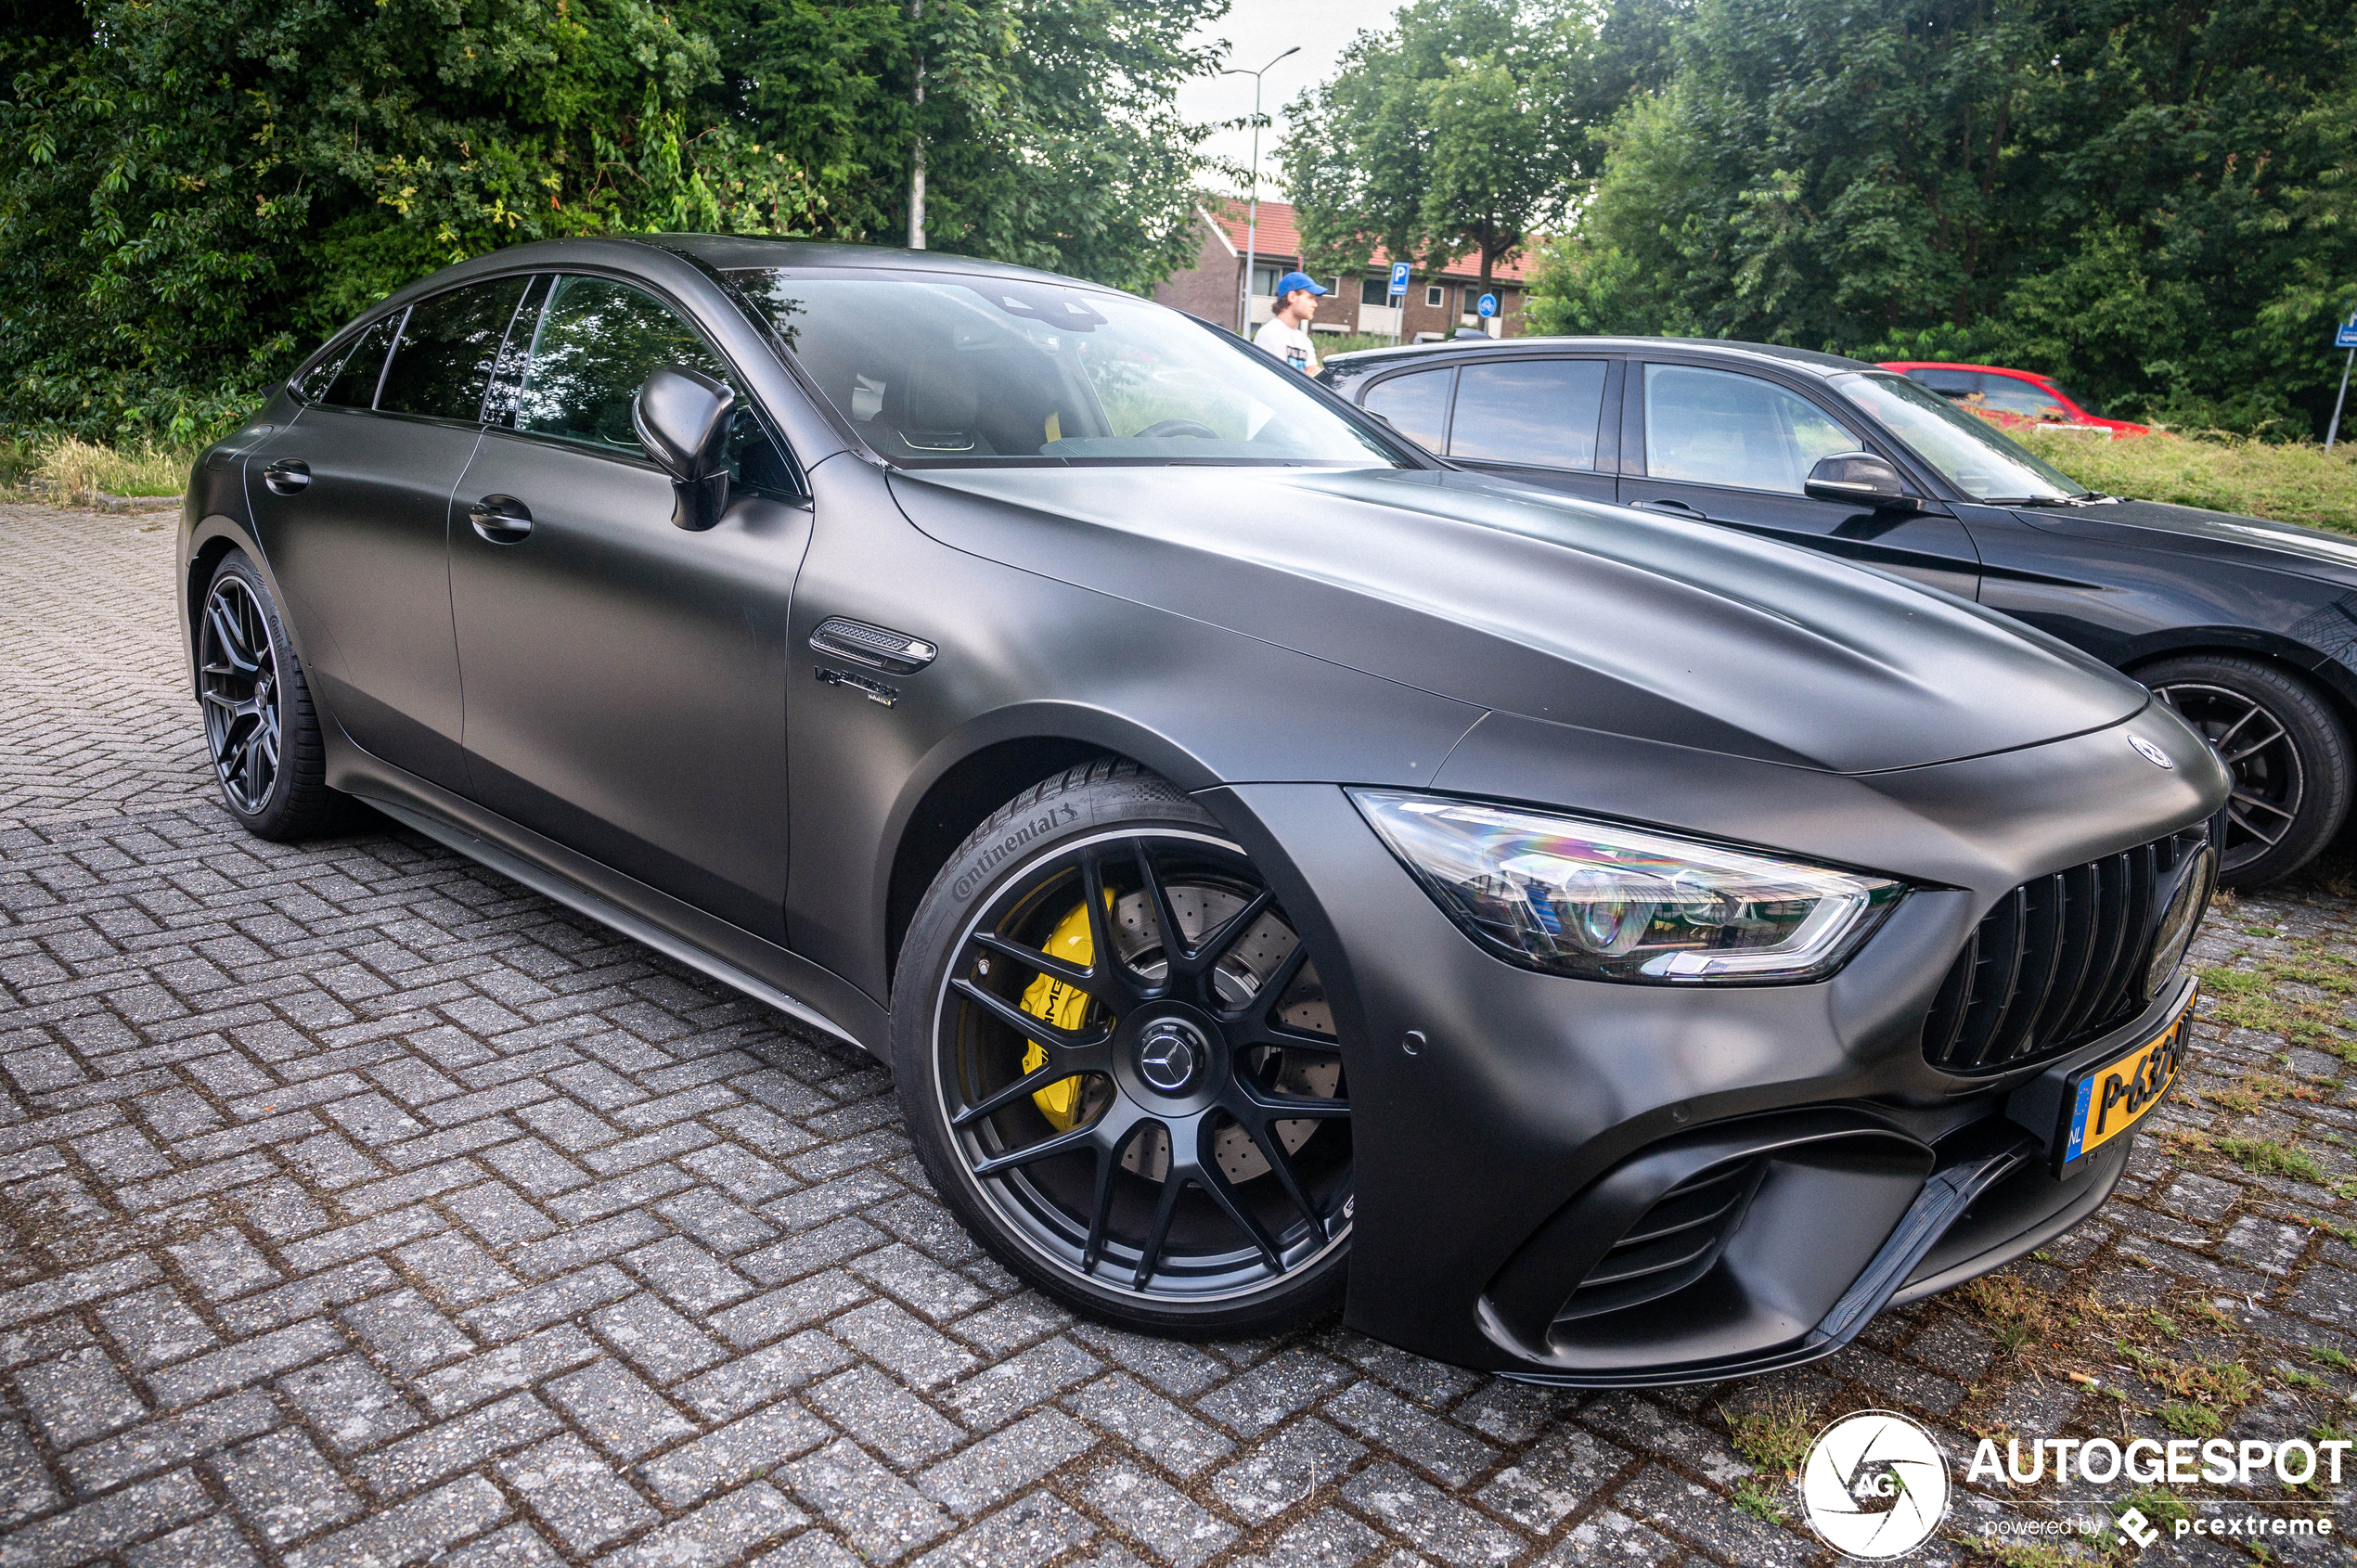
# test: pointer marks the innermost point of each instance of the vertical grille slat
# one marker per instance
(2055, 962)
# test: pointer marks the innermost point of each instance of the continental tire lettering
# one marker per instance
(991, 858)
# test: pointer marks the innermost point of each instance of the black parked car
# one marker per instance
(2247, 628)
(1636, 951)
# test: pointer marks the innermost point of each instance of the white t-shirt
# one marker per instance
(1289, 343)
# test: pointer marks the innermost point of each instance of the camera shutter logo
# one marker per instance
(1875, 1485)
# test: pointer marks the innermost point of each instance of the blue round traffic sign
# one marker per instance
(1487, 306)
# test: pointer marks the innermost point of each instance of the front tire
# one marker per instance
(261, 730)
(1155, 1132)
(2285, 747)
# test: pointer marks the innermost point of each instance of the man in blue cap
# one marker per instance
(1286, 334)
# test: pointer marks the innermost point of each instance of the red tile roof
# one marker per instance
(1277, 235)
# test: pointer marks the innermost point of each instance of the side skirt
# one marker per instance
(736, 958)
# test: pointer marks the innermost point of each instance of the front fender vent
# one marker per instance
(2056, 963)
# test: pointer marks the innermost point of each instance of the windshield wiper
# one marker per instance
(2084, 498)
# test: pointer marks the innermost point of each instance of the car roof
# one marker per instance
(728, 252)
(1364, 360)
(1960, 365)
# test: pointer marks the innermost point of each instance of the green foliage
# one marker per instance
(192, 192)
(2155, 204)
(1460, 129)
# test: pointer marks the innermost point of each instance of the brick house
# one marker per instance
(1436, 304)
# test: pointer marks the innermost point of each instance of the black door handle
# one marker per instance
(287, 476)
(501, 520)
(1674, 509)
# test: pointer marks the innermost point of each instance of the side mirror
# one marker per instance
(1857, 476)
(682, 419)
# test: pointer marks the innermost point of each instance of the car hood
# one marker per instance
(2286, 547)
(1523, 601)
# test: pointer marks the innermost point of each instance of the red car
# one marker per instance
(2012, 394)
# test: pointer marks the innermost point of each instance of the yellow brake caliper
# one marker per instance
(1066, 1007)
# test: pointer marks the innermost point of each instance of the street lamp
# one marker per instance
(1252, 209)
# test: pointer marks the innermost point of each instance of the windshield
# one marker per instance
(943, 369)
(1969, 452)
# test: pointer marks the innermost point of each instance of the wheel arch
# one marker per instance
(2335, 680)
(211, 540)
(972, 774)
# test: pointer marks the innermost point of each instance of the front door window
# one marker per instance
(1723, 427)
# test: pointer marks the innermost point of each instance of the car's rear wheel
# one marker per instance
(1155, 1129)
(2286, 747)
(260, 729)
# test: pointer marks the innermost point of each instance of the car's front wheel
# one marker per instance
(259, 726)
(2284, 744)
(1119, 1066)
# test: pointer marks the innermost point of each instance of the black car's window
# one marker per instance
(349, 379)
(978, 368)
(1416, 404)
(595, 344)
(443, 362)
(1719, 427)
(1542, 412)
(599, 340)
(1970, 453)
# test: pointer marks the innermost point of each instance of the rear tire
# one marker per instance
(1175, 1158)
(261, 730)
(2286, 748)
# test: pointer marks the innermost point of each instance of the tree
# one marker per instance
(192, 192)
(1462, 129)
(2153, 204)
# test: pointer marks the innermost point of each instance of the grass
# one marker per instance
(2261, 1156)
(2290, 482)
(2017, 1310)
(1761, 1502)
(1775, 1437)
(70, 469)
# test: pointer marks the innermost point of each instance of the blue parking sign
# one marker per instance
(2345, 335)
(1487, 306)
(1399, 278)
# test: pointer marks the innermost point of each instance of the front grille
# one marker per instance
(2056, 963)
(1672, 1245)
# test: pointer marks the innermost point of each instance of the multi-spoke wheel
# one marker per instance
(2285, 747)
(259, 726)
(1120, 1064)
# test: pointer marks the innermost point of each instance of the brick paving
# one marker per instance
(363, 1208)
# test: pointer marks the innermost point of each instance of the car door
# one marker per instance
(624, 678)
(1733, 448)
(351, 504)
(1539, 418)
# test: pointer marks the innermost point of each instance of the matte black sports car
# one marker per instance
(1280, 868)
(2247, 628)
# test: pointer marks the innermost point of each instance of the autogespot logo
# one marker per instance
(1875, 1485)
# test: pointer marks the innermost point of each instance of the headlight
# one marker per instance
(1609, 902)
(2179, 921)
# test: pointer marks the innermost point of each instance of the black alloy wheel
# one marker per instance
(2286, 750)
(260, 729)
(1154, 1126)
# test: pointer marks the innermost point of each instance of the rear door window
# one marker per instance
(349, 379)
(1416, 404)
(443, 363)
(1721, 427)
(1539, 411)
(1957, 384)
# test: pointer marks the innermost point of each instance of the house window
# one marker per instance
(1432, 295)
(1265, 275)
(1375, 291)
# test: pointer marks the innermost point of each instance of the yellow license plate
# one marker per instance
(2113, 1098)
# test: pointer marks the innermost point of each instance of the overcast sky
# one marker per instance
(1256, 30)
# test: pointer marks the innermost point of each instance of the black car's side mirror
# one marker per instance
(1857, 476)
(682, 419)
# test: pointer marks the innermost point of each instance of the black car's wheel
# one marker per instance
(2285, 747)
(1119, 1066)
(259, 726)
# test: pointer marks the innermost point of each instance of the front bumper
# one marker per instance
(1548, 1136)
